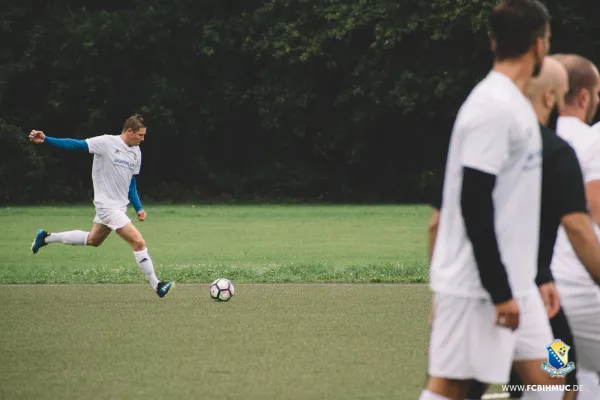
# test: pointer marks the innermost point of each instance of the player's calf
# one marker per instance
(444, 389)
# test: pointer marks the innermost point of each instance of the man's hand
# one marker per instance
(141, 215)
(37, 137)
(507, 314)
(551, 298)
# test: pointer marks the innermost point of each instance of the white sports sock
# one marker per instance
(145, 263)
(427, 395)
(541, 395)
(75, 238)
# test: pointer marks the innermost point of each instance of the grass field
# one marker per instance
(248, 244)
(74, 339)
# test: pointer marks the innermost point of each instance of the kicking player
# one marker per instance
(117, 159)
(484, 262)
(578, 288)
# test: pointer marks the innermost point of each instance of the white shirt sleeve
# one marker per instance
(138, 165)
(99, 144)
(591, 165)
(486, 143)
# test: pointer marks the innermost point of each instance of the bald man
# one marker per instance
(577, 285)
(563, 199)
(563, 202)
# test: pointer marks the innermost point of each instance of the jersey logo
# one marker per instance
(558, 359)
(533, 160)
(117, 151)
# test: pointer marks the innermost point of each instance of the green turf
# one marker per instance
(245, 243)
(269, 342)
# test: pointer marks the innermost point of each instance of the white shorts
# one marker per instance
(466, 343)
(582, 308)
(113, 218)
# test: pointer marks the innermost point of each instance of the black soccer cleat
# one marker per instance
(163, 288)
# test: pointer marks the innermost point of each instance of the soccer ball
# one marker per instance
(222, 289)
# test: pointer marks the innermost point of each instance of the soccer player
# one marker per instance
(563, 202)
(117, 159)
(484, 261)
(578, 288)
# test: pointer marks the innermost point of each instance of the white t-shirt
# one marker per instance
(596, 127)
(565, 265)
(497, 132)
(115, 163)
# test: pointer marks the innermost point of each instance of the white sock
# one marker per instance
(427, 395)
(541, 395)
(75, 238)
(145, 263)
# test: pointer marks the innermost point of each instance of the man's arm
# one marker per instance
(592, 194)
(39, 137)
(68, 144)
(478, 213)
(580, 232)
(434, 224)
(134, 198)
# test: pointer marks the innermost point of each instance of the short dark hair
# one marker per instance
(515, 25)
(135, 123)
(582, 74)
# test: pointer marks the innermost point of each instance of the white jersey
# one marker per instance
(115, 163)
(565, 265)
(596, 127)
(496, 132)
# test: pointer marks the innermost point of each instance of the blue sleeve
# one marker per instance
(67, 144)
(134, 198)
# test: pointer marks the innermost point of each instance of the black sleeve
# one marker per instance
(478, 213)
(566, 194)
(544, 275)
(571, 195)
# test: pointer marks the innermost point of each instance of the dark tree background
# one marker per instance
(306, 100)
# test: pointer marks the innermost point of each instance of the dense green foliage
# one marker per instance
(309, 99)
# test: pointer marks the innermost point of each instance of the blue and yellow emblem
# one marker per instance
(558, 359)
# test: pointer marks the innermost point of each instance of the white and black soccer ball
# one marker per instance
(222, 289)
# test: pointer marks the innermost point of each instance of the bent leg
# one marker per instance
(98, 234)
(134, 238)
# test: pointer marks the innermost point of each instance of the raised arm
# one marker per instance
(38, 137)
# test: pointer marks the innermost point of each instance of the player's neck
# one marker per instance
(519, 71)
(542, 113)
(573, 112)
(124, 139)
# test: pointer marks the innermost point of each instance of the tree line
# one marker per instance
(274, 100)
